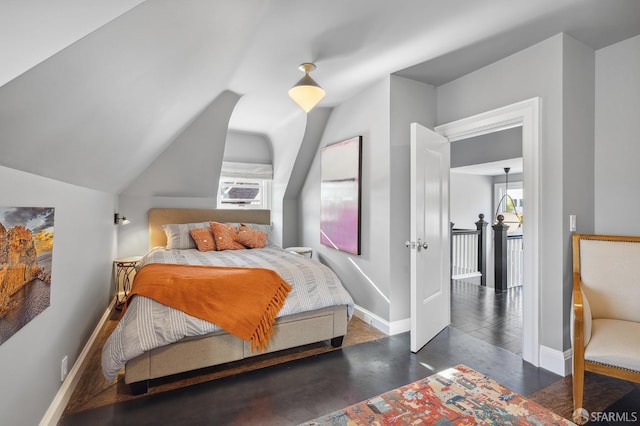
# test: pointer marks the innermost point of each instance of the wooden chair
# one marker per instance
(606, 309)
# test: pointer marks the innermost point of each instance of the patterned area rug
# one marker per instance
(456, 396)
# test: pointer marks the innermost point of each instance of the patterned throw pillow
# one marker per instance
(267, 229)
(204, 239)
(225, 236)
(251, 238)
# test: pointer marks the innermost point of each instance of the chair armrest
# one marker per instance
(581, 314)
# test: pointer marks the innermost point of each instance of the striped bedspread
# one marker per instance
(148, 324)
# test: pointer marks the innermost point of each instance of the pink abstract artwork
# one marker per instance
(340, 170)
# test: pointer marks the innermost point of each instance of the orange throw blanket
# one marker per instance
(243, 301)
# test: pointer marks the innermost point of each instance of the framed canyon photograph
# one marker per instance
(26, 248)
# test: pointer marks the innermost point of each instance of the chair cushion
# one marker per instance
(615, 343)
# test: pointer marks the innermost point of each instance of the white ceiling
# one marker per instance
(113, 82)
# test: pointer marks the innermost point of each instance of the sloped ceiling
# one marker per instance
(92, 91)
(99, 111)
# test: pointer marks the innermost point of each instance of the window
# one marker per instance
(514, 203)
(245, 185)
(246, 193)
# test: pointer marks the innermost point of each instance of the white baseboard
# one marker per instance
(556, 361)
(389, 328)
(465, 275)
(401, 326)
(59, 403)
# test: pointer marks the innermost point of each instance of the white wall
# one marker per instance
(617, 146)
(470, 195)
(81, 289)
(537, 71)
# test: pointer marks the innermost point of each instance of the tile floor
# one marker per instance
(493, 317)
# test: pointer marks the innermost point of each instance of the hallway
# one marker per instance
(495, 318)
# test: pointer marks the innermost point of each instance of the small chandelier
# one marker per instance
(306, 92)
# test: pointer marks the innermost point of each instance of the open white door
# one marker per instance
(429, 244)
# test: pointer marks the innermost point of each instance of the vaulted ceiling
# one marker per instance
(92, 91)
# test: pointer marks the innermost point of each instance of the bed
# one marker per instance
(317, 309)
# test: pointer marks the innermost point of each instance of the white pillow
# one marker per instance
(178, 236)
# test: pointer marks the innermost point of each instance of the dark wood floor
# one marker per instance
(303, 389)
(300, 390)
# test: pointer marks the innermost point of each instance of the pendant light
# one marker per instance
(511, 219)
(306, 92)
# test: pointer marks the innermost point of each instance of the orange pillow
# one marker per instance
(251, 237)
(203, 238)
(225, 236)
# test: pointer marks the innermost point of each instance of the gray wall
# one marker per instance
(496, 146)
(248, 148)
(617, 149)
(366, 114)
(81, 289)
(287, 139)
(411, 102)
(578, 150)
(539, 71)
(316, 123)
(186, 174)
(382, 115)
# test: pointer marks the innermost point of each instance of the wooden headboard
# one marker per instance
(161, 216)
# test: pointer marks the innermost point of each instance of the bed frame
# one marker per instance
(220, 347)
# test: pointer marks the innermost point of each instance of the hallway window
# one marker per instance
(513, 203)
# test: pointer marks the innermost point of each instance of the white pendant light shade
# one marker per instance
(306, 92)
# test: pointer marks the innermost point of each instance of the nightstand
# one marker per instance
(125, 268)
(301, 250)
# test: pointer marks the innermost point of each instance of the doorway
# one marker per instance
(477, 186)
(527, 115)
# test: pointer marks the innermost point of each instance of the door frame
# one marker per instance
(525, 114)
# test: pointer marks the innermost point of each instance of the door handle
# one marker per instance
(419, 245)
